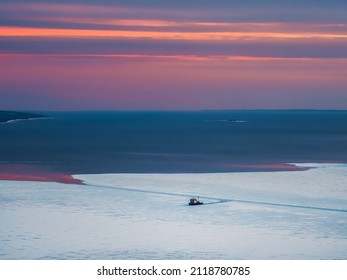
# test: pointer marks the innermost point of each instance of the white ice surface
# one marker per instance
(248, 215)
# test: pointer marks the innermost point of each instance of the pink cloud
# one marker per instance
(145, 82)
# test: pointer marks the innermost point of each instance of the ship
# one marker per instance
(195, 201)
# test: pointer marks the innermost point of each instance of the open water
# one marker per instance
(203, 141)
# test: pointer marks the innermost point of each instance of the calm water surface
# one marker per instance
(205, 141)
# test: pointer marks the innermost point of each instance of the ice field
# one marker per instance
(246, 215)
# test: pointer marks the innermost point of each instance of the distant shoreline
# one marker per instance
(12, 116)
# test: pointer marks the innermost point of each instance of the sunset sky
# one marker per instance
(173, 55)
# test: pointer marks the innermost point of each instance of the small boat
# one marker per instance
(195, 201)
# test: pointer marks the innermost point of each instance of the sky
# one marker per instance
(173, 55)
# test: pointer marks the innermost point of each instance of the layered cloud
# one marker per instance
(133, 55)
(141, 29)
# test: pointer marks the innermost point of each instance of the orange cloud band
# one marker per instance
(191, 36)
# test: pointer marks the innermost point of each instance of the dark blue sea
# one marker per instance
(199, 141)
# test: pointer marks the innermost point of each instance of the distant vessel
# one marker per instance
(195, 201)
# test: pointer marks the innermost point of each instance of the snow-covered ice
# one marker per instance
(246, 215)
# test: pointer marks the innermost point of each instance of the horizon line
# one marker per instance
(163, 110)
